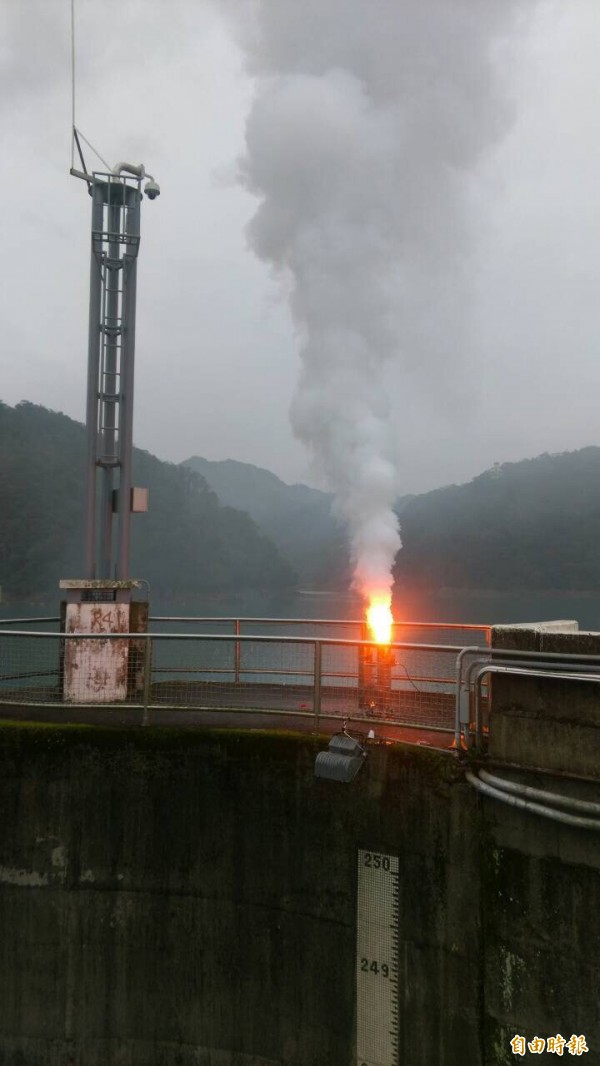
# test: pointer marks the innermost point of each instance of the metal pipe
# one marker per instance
(543, 660)
(147, 677)
(92, 379)
(317, 622)
(257, 638)
(551, 656)
(317, 684)
(26, 674)
(492, 668)
(535, 808)
(299, 672)
(458, 720)
(237, 653)
(137, 169)
(278, 641)
(541, 771)
(540, 664)
(129, 271)
(555, 799)
(109, 396)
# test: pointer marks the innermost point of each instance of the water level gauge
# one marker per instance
(377, 1035)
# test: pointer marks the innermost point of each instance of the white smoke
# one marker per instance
(368, 119)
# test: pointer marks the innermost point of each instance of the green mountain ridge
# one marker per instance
(221, 528)
(187, 543)
(297, 518)
(533, 524)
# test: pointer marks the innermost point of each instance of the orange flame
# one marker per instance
(379, 618)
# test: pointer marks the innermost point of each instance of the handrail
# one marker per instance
(253, 620)
(257, 638)
(256, 620)
(497, 668)
(473, 649)
(538, 658)
(281, 668)
(474, 663)
(469, 678)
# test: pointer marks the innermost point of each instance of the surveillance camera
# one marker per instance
(152, 189)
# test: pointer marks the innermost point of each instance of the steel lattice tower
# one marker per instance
(116, 200)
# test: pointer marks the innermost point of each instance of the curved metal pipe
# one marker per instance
(509, 657)
(473, 649)
(524, 671)
(137, 169)
(555, 799)
(579, 821)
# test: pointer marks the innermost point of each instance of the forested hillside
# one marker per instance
(528, 525)
(297, 518)
(532, 524)
(187, 543)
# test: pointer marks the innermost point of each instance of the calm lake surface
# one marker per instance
(177, 659)
(456, 606)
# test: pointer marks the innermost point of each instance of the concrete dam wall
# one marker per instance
(170, 898)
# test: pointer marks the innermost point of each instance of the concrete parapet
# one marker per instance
(189, 897)
(530, 636)
(551, 724)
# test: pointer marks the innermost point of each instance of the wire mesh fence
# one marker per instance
(221, 671)
(29, 667)
(411, 683)
(457, 634)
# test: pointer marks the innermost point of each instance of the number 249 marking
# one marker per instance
(372, 966)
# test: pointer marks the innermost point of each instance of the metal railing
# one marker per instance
(319, 626)
(239, 623)
(290, 676)
(328, 626)
(472, 689)
(432, 686)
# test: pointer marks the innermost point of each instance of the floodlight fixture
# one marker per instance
(342, 760)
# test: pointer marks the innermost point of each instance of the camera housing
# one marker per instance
(152, 189)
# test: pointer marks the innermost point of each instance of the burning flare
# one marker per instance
(379, 618)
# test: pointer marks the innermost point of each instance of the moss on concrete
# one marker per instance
(188, 896)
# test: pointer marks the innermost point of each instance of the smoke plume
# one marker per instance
(368, 120)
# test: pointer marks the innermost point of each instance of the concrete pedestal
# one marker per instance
(102, 671)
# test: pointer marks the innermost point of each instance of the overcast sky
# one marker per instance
(217, 357)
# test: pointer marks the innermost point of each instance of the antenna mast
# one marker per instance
(116, 199)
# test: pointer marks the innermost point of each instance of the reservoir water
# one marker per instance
(449, 606)
(267, 663)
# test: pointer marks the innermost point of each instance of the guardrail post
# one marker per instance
(478, 723)
(147, 677)
(317, 684)
(237, 652)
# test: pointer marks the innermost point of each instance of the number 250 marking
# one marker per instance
(377, 862)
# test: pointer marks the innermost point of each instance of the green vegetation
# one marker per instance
(188, 542)
(528, 525)
(297, 518)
